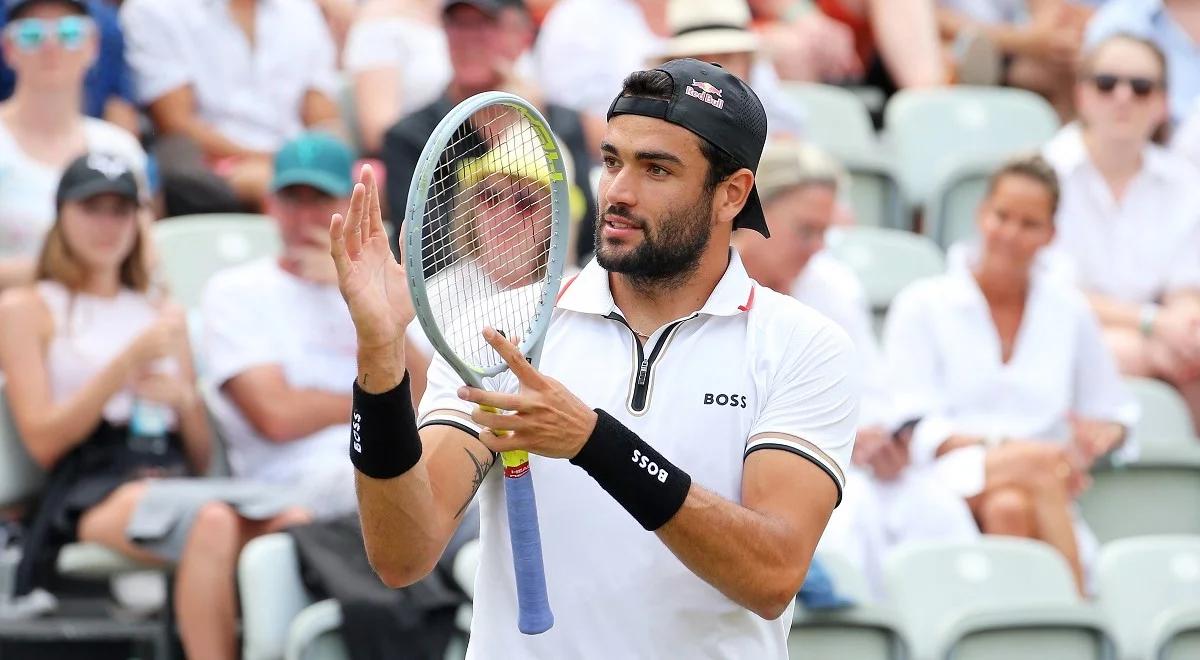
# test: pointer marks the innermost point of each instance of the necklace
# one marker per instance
(641, 334)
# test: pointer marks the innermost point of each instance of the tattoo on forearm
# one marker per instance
(481, 470)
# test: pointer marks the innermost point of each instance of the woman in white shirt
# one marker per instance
(92, 361)
(50, 46)
(1130, 215)
(886, 504)
(1004, 371)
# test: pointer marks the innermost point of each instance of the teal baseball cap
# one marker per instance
(315, 159)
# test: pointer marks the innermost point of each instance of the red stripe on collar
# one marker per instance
(564, 289)
(749, 301)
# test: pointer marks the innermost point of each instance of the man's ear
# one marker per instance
(731, 195)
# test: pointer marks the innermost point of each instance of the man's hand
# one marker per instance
(312, 261)
(547, 419)
(373, 284)
(874, 448)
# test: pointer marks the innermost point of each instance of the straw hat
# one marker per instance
(709, 27)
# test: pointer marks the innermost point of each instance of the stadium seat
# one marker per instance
(20, 480)
(931, 130)
(1127, 499)
(991, 598)
(192, 248)
(954, 200)
(865, 631)
(281, 620)
(272, 594)
(885, 260)
(1149, 589)
(20, 477)
(837, 121)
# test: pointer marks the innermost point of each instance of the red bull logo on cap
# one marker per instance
(707, 92)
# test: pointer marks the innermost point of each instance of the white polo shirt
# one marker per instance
(1140, 247)
(751, 370)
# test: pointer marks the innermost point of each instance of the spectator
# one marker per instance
(804, 43)
(1186, 140)
(484, 38)
(278, 341)
(889, 503)
(1035, 45)
(896, 40)
(1130, 215)
(237, 78)
(397, 57)
(718, 31)
(108, 89)
(1005, 370)
(1173, 26)
(606, 39)
(85, 351)
(50, 44)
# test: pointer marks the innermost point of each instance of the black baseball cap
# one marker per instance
(717, 106)
(13, 7)
(489, 7)
(96, 174)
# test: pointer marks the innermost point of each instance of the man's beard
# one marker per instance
(670, 250)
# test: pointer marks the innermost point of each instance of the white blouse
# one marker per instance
(1141, 247)
(944, 362)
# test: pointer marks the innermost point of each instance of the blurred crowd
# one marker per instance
(993, 388)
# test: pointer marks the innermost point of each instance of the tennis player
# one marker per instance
(688, 427)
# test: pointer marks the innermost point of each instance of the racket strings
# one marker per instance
(491, 212)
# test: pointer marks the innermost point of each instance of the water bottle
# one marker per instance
(148, 425)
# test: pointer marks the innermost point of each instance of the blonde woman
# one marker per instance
(83, 349)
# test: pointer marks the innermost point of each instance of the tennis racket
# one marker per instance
(484, 245)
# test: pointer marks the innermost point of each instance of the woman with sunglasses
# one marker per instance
(1130, 215)
(50, 44)
(85, 350)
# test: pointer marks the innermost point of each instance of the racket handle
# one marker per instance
(534, 615)
(498, 432)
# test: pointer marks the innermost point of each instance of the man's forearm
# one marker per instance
(408, 520)
(744, 554)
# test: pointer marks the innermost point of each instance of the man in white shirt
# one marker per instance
(743, 401)
(236, 77)
(279, 344)
(887, 503)
(1129, 219)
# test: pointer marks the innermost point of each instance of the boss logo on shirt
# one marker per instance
(643, 461)
(731, 400)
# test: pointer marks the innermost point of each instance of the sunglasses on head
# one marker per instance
(30, 34)
(1141, 87)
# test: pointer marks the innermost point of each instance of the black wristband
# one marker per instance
(383, 432)
(639, 478)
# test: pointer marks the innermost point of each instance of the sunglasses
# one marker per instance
(1141, 87)
(30, 34)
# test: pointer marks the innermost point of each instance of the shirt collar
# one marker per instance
(589, 291)
(1050, 265)
(1067, 152)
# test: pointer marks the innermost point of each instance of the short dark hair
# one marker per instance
(1032, 167)
(655, 84)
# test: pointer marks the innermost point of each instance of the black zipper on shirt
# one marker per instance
(641, 383)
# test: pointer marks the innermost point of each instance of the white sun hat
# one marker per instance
(709, 27)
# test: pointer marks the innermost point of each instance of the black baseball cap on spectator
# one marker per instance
(489, 7)
(96, 174)
(14, 7)
(717, 106)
